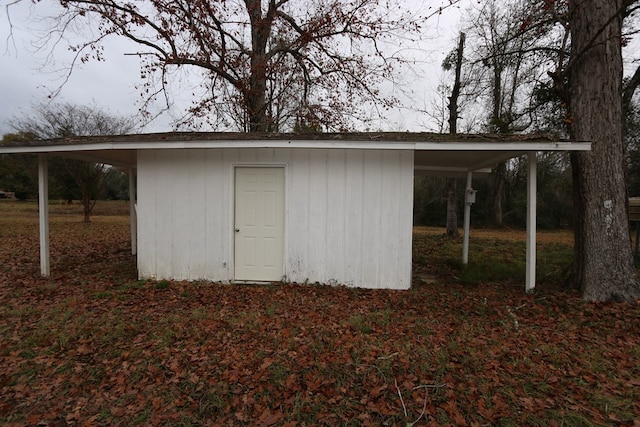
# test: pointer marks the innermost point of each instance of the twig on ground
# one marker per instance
(424, 407)
(519, 307)
(426, 388)
(401, 399)
(430, 386)
(388, 357)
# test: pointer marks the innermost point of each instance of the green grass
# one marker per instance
(162, 285)
(491, 260)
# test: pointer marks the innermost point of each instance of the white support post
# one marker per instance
(467, 221)
(133, 218)
(532, 187)
(43, 211)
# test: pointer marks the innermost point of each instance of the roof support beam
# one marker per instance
(43, 211)
(532, 187)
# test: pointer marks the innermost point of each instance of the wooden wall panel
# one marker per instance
(348, 214)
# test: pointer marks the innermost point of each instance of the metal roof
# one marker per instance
(442, 154)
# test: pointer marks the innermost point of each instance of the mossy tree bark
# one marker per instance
(603, 266)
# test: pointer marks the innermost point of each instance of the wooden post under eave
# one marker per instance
(132, 212)
(532, 188)
(43, 210)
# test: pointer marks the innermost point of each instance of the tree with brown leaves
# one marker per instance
(262, 63)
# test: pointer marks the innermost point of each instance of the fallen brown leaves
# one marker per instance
(93, 346)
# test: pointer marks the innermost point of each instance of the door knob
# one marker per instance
(237, 230)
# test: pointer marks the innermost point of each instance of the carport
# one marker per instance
(433, 154)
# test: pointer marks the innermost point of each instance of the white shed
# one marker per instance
(327, 208)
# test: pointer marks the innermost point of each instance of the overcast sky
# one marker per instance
(111, 85)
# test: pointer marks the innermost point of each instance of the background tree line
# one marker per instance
(552, 66)
(69, 179)
(555, 206)
(506, 88)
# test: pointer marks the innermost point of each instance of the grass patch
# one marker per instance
(493, 258)
(114, 350)
(103, 295)
(496, 270)
(162, 285)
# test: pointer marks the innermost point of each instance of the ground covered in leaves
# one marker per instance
(91, 345)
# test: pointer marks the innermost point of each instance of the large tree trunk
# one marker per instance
(255, 98)
(452, 186)
(603, 265)
(499, 125)
(457, 84)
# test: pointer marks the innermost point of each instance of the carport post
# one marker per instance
(467, 222)
(132, 212)
(532, 188)
(43, 211)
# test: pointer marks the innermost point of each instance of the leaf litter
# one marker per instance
(91, 345)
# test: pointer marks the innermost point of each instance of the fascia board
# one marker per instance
(503, 146)
(164, 145)
(42, 149)
(375, 145)
(454, 169)
(101, 154)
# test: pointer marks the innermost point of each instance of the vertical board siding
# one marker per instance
(372, 226)
(217, 221)
(352, 249)
(336, 218)
(297, 183)
(181, 225)
(184, 215)
(351, 213)
(348, 214)
(317, 237)
(195, 191)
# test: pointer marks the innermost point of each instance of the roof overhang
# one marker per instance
(435, 154)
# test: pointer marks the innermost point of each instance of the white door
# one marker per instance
(259, 223)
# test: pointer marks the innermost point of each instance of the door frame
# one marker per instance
(232, 208)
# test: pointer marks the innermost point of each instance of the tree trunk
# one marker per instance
(255, 97)
(452, 186)
(87, 207)
(499, 125)
(455, 92)
(603, 265)
(452, 211)
(499, 179)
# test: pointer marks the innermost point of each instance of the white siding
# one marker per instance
(348, 214)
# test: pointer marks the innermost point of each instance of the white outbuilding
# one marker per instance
(328, 208)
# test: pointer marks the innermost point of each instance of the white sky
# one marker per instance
(110, 85)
